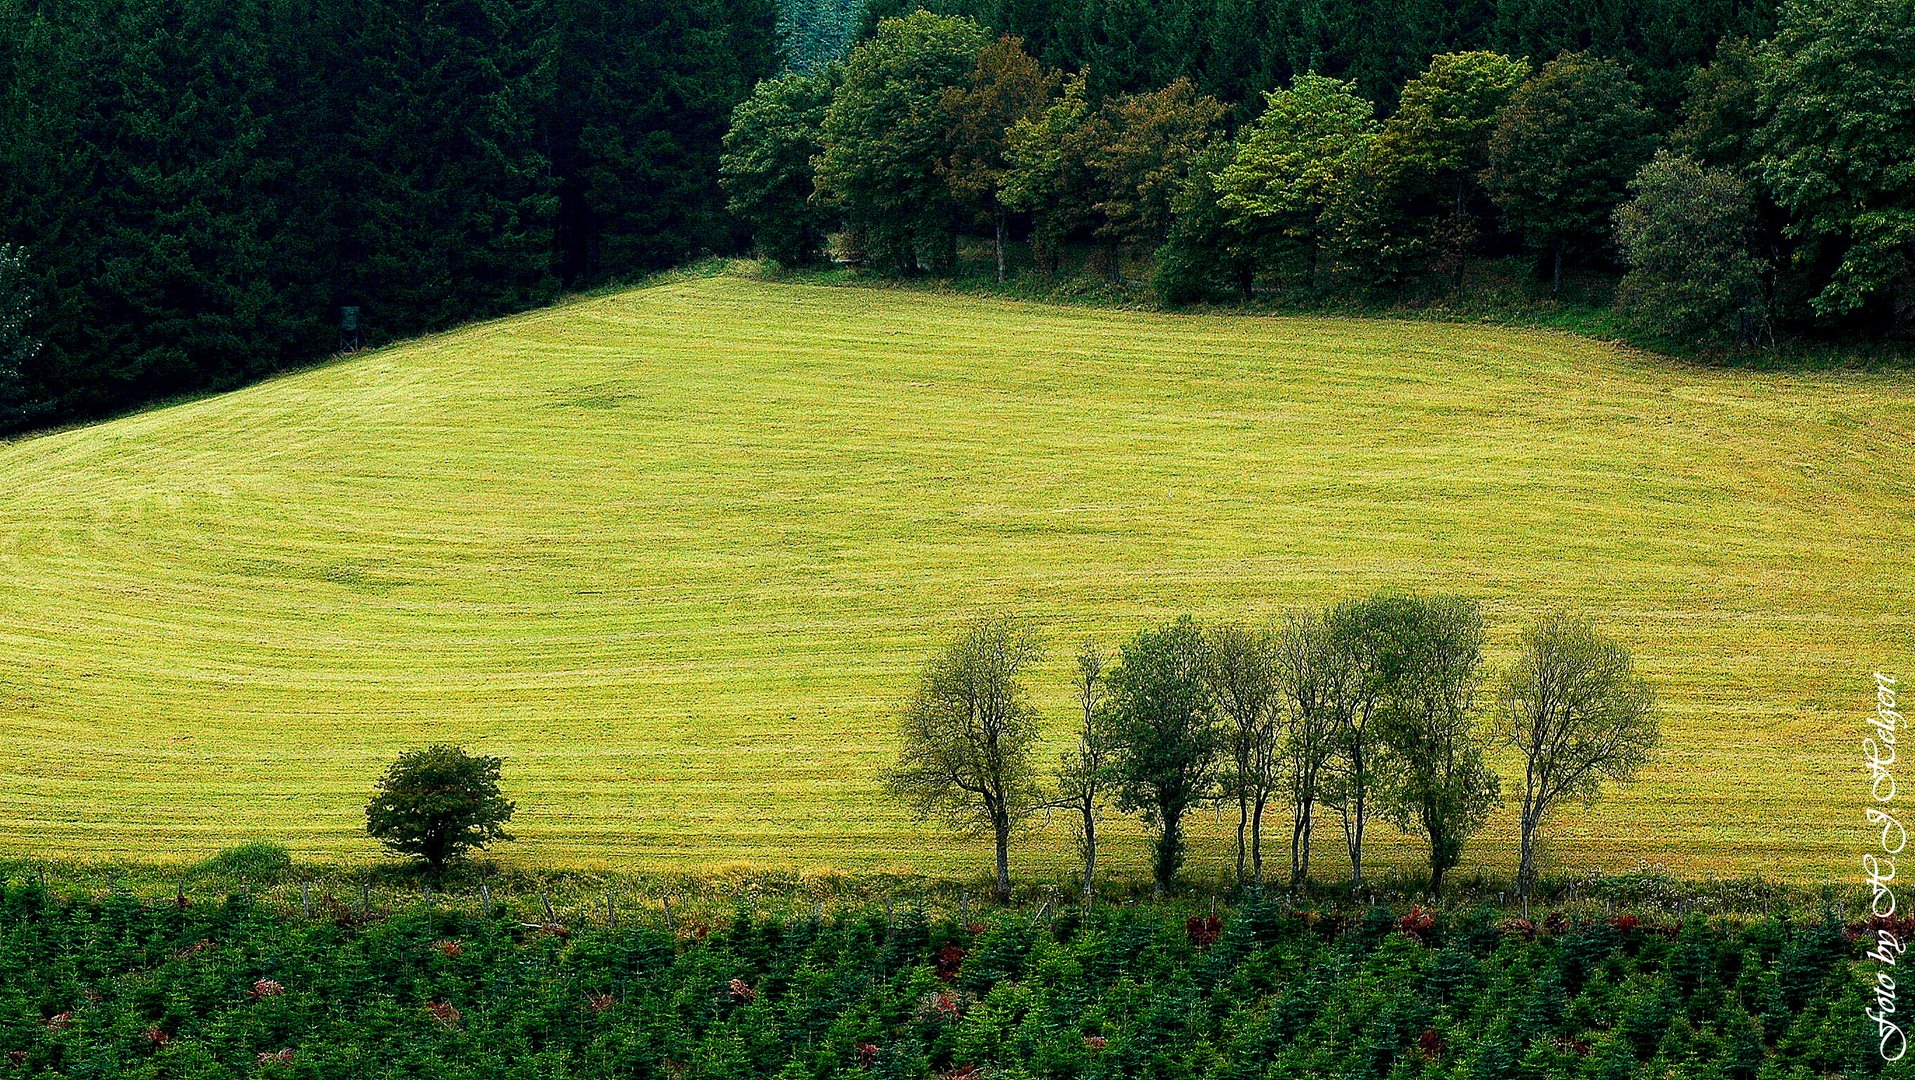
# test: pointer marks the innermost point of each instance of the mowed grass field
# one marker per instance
(676, 554)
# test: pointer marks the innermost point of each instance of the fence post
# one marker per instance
(611, 910)
(306, 898)
(546, 899)
(671, 924)
(485, 898)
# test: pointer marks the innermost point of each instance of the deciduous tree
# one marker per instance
(1838, 95)
(1150, 142)
(1685, 236)
(886, 130)
(1574, 707)
(967, 735)
(439, 803)
(1442, 784)
(1047, 171)
(1242, 672)
(1563, 152)
(1432, 151)
(1167, 736)
(1287, 164)
(1084, 772)
(1005, 88)
(766, 167)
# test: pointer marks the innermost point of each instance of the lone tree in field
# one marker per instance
(438, 803)
(1574, 707)
(1241, 671)
(968, 731)
(1442, 785)
(1083, 774)
(1167, 736)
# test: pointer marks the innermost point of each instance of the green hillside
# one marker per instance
(675, 553)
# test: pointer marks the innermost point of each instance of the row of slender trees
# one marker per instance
(1769, 192)
(1373, 708)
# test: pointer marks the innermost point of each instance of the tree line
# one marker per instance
(1761, 191)
(191, 191)
(1373, 709)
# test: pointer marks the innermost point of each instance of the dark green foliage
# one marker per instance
(817, 33)
(17, 343)
(1838, 94)
(437, 804)
(1237, 49)
(766, 169)
(1562, 153)
(886, 130)
(1685, 237)
(203, 184)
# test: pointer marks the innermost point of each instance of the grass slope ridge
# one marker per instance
(675, 553)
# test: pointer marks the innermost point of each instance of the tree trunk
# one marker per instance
(1243, 825)
(1165, 872)
(1090, 850)
(1256, 840)
(1556, 271)
(1003, 830)
(1000, 247)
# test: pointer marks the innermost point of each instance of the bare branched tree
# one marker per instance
(968, 732)
(1574, 707)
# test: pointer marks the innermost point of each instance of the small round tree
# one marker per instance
(438, 803)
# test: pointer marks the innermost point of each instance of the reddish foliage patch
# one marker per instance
(1430, 1045)
(1095, 1042)
(58, 1021)
(201, 946)
(265, 988)
(949, 961)
(282, 1057)
(974, 929)
(1521, 928)
(1625, 923)
(598, 1003)
(739, 992)
(16, 1058)
(1417, 924)
(1555, 923)
(445, 1013)
(157, 1036)
(1203, 930)
(867, 1054)
(448, 947)
(697, 931)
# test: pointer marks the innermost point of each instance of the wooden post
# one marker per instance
(485, 898)
(306, 897)
(550, 919)
(670, 923)
(611, 910)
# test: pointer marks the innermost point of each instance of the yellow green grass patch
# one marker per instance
(676, 553)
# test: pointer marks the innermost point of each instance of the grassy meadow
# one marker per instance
(675, 553)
